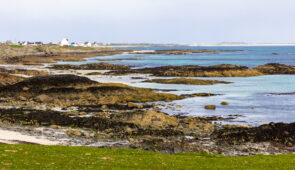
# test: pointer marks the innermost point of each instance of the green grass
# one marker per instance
(16, 46)
(63, 157)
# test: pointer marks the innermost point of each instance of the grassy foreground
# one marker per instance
(63, 157)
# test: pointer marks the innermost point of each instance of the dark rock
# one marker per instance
(273, 132)
(40, 82)
(224, 103)
(93, 66)
(225, 70)
(210, 107)
(274, 68)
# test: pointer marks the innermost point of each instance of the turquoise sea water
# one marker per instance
(250, 56)
(243, 95)
(250, 98)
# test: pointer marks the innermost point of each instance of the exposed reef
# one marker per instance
(93, 66)
(12, 76)
(118, 59)
(6, 79)
(224, 70)
(274, 68)
(272, 132)
(186, 81)
(24, 72)
(182, 52)
(71, 90)
(36, 55)
(109, 107)
(85, 110)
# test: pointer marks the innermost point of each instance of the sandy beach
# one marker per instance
(12, 137)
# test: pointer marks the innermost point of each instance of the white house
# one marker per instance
(87, 44)
(95, 44)
(74, 44)
(23, 43)
(64, 42)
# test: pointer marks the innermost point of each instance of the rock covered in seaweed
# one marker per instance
(71, 90)
(272, 132)
(92, 66)
(224, 70)
(187, 81)
(275, 68)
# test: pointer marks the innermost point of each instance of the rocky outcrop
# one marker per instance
(7, 79)
(224, 103)
(71, 90)
(149, 119)
(210, 107)
(225, 70)
(272, 132)
(7, 76)
(120, 125)
(23, 72)
(182, 52)
(274, 68)
(93, 66)
(36, 55)
(186, 81)
(40, 83)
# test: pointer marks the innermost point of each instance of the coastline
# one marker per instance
(206, 45)
(243, 45)
(130, 116)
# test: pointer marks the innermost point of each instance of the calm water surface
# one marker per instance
(250, 56)
(249, 98)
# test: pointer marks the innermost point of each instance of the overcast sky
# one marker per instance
(152, 21)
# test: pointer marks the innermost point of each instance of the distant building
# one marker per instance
(31, 43)
(64, 42)
(87, 44)
(106, 43)
(96, 44)
(22, 43)
(38, 43)
(34, 43)
(74, 44)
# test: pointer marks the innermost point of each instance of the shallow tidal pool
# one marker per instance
(252, 100)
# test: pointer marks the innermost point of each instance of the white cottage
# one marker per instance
(87, 44)
(23, 43)
(64, 42)
(95, 44)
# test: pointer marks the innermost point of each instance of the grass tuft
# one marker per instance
(65, 157)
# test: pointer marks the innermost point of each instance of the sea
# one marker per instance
(252, 100)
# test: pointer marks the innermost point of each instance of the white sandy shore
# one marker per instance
(12, 137)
